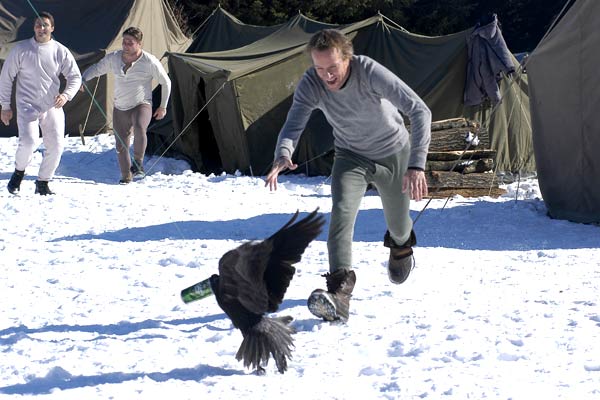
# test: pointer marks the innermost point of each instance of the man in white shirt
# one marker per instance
(133, 69)
(36, 64)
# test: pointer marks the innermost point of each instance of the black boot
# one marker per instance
(14, 184)
(41, 188)
(137, 169)
(333, 304)
(401, 260)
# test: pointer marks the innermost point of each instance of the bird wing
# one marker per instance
(288, 245)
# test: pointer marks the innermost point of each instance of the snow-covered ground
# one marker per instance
(504, 302)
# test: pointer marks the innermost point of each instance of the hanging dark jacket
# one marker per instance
(488, 58)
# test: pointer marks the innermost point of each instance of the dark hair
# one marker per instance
(136, 33)
(45, 14)
(331, 39)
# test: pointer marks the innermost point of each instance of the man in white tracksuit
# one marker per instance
(36, 64)
(133, 69)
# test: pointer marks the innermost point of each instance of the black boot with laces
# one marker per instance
(41, 188)
(14, 184)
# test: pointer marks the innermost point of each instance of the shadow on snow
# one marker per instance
(484, 225)
(58, 378)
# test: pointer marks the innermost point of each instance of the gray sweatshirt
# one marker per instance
(364, 113)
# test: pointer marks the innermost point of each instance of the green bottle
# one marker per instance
(196, 292)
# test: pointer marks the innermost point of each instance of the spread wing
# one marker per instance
(288, 245)
(257, 275)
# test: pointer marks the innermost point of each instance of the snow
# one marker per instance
(503, 303)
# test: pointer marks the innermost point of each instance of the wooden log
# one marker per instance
(444, 179)
(462, 155)
(466, 192)
(453, 123)
(462, 166)
(455, 139)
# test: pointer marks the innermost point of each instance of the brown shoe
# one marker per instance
(401, 260)
(333, 304)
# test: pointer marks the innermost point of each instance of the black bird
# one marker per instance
(252, 281)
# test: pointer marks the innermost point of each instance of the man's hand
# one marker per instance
(6, 116)
(82, 88)
(415, 183)
(60, 100)
(279, 165)
(160, 113)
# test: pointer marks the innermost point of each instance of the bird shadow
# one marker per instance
(12, 335)
(58, 378)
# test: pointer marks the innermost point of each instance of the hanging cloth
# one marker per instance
(488, 59)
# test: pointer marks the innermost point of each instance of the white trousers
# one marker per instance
(52, 123)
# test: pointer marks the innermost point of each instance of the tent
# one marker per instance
(222, 31)
(565, 97)
(228, 106)
(90, 29)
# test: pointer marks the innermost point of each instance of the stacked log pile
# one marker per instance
(460, 160)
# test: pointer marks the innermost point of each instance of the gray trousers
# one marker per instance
(349, 179)
(137, 120)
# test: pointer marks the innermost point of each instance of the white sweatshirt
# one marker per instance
(133, 87)
(37, 67)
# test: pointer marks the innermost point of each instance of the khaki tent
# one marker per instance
(90, 29)
(228, 106)
(565, 100)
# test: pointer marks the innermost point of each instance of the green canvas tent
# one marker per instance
(222, 31)
(565, 97)
(90, 29)
(228, 106)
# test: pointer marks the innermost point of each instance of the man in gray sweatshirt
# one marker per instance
(363, 102)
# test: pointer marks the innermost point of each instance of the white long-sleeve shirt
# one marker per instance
(37, 67)
(133, 87)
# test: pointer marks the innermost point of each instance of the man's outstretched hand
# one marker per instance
(279, 165)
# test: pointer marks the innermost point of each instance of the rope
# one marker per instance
(82, 128)
(187, 126)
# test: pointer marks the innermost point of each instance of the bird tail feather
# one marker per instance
(271, 336)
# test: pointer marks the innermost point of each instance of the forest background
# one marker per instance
(523, 22)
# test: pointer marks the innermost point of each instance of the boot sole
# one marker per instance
(321, 305)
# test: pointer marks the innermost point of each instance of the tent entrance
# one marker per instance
(208, 148)
(206, 158)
